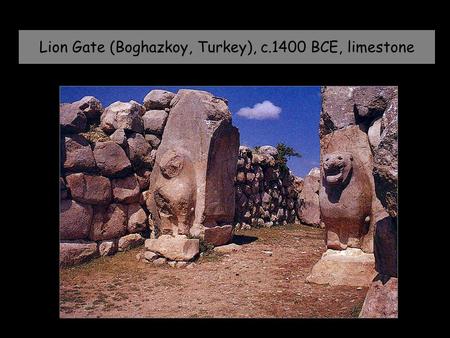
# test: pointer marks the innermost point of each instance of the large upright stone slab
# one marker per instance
(386, 159)
(192, 183)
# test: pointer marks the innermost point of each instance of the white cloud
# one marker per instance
(260, 111)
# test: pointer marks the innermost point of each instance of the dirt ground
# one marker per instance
(245, 284)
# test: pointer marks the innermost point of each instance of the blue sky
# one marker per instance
(296, 124)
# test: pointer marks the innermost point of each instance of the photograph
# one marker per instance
(200, 174)
(228, 201)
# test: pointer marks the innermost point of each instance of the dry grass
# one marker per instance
(95, 134)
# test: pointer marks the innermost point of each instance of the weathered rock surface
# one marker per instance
(120, 138)
(139, 151)
(77, 154)
(109, 222)
(381, 299)
(371, 101)
(130, 241)
(374, 133)
(153, 140)
(192, 182)
(150, 256)
(90, 106)
(63, 191)
(137, 218)
(74, 220)
(143, 177)
(337, 108)
(107, 248)
(126, 190)
(89, 189)
(155, 121)
(175, 248)
(111, 159)
(122, 115)
(71, 119)
(219, 235)
(385, 246)
(309, 209)
(350, 267)
(158, 99)
(344, 106)
(72, 253)
(385, 169)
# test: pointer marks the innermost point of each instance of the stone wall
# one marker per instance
(107, 155)
(268, 194)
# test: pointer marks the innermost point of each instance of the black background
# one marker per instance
(32, 143)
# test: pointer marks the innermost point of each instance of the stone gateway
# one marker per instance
(192, 182)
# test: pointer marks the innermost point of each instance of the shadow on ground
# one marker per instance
(243, 239)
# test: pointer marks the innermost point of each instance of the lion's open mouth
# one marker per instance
(334, 173)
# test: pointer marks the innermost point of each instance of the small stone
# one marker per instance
(172, 264)
(224, 249)
(153, 140)
(130, 241)
(107, 248)
(269, 253)
(150, 256)
(160, 261)
(181, 264)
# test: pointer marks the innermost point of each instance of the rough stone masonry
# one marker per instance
(169, 166)
(268, 194)
(109, 155)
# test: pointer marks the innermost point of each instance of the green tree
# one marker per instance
(284, 153)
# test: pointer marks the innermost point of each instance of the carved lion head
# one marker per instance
(171, 163)
(337, 167)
